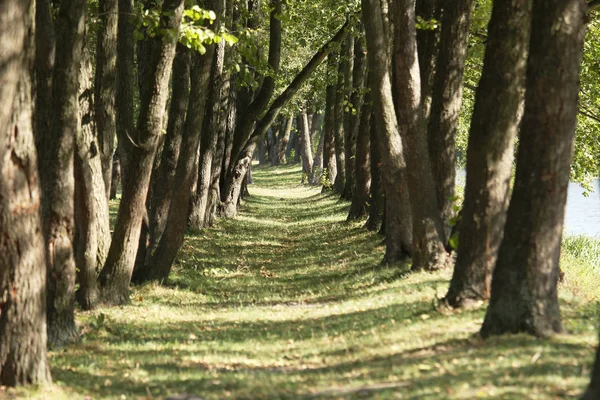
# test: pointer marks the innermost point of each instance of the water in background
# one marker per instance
(583, 213)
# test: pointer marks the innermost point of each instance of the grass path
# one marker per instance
(285, 301)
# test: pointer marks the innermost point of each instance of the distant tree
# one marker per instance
(329, 160)
(524, 294)
(22, 260)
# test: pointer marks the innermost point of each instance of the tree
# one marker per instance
(593, 390)
(341, 92)
(140, 149)
(56, 171)
(524, 294)
(446, 102)
(490, 152)
(428, 250)
(22, 259)
(306, 153)
(398, 220)
(360, 197)
(329, 159)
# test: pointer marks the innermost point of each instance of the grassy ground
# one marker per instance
(286, 301)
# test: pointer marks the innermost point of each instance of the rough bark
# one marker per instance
(106, 85)
(490, 151)
(344, 71)
(306, 149)
(56, 172)
(165, 175)
(428, 41)
(141, 148)
(429, 252)
(160, 263)
(524, 294)
(115, 177)
(210, 135)
(92, 228)
(352, 118)
(376, 199)
(446, 101)
(593, 390)
(22, 261)
(398, 219)
(45, 47)
(362, 168)
(329, 160)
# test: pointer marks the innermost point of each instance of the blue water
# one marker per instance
(583, 213)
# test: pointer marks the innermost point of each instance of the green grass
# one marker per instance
(288, 301)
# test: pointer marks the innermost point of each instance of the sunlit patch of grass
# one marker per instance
(580, 259)
(289, 301)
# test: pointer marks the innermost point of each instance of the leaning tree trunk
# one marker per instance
(116, 274)
(398, 220)
(22, 261)
(165, 175)
(56, 172)
(106, 85)
(446, 102)
(494, 126)
(524, 286)
(362, 168)
(429, 252)
(92, 227)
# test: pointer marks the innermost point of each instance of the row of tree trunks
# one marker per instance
(22, 260)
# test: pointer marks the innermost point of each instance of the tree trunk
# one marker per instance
(329, 160)
(160, 263)
(92, 227)
(106, 85)
(362, 173)
(593, 390)
(283, 140)
(165, 175)
(376, 198)
(116, 177)
(490, 152)
(524, 294)
(317, 169)
(315, 122)
(22, 261)
(352, 118)
(141, 148)
(344, 70)
(428, 42)
(306, 150)
(446, 101)
(56, 172)
(398, 225)
(45, 47)
(209, 140)
(429, 252)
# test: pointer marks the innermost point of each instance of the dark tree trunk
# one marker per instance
(276, 129)
(329, 160)
(360, 198)
(494, 126)
(306, 150)
(352, 118)
(22, 261)
(446, 101)
(524, 294)
(228, 140)
(376, 199)
(317, 168)
(164, 181)
(210, 135)
(283, 140)
(106, 85)
(56, 172)
(429, 252)
(160, 263)
(141, 148)
(92, 227)
(593, 390)
(344, 71)
(44, 64)
(398, 219)
(428, 41)
(315, 122)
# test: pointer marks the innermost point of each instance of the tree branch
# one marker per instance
(593, 5)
